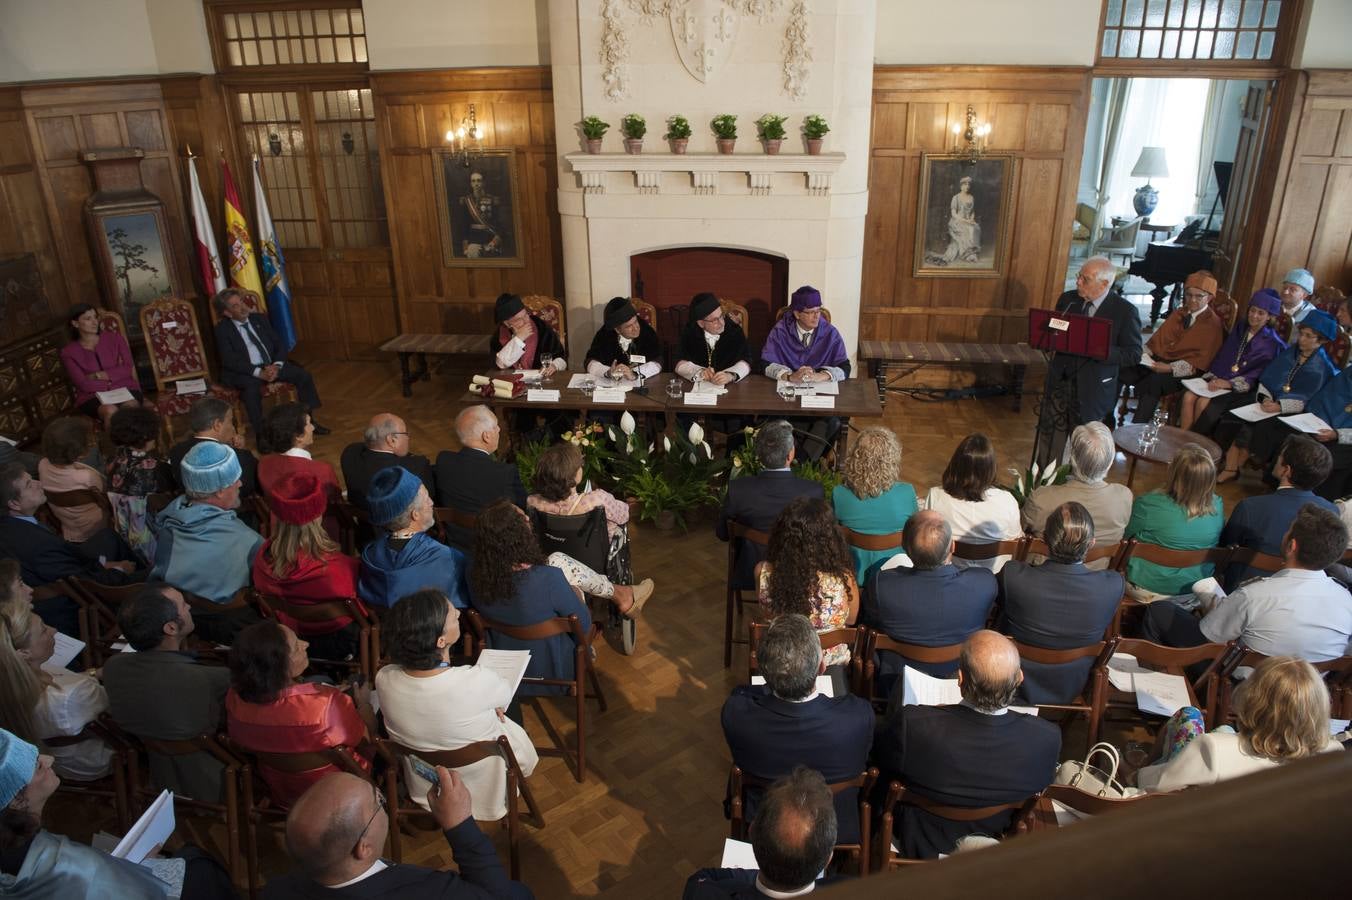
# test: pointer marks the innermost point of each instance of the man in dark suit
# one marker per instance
(1095, 382)
(783, 723)
(1059, 605)
(978, 753)
(625, 346)
(793, 836)
(212, 419)
(337, 828)
(470, 478)
(1259, 523)
(758, 500)
(385, 443)
(252, 355)
(933, 603)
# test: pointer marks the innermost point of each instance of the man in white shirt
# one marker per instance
(625, 346)
(523, 340)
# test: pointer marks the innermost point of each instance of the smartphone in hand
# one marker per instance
(426, 772)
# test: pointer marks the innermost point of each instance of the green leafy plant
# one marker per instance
(527, 458)
(682, 477)
(724, 126)
(814, 127)
(633, 126)
(824, 475)
(593, 128)
(678, 128)
(770, 127)
(1028, 481)
(589, 438)
(743, 460)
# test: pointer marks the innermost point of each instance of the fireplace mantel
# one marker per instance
(704, 168)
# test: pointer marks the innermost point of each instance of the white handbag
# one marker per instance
(1083, 776)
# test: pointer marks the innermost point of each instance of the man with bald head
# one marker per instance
(973, 754)
(385, 443)
(470, 478)
(336, 831)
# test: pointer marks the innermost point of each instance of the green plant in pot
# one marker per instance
(770, 129)
(678, 133)
(725, 132)
(665, 486)
(633, 127)
(593, 130)
(814, 130)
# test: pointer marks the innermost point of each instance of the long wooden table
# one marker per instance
(915, 355)
(420, 346)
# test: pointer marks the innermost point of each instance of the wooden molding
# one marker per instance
(950, 80)
(423, 81)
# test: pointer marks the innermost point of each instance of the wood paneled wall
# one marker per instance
(1038, 116)
(514, 108)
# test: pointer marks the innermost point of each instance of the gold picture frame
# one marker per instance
(485, 233)
(961, 229)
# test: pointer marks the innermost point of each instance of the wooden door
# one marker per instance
(1255, 120)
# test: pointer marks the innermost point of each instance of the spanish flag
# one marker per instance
(243, 264)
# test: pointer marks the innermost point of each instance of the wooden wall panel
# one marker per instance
(514, 108)
(1038, 116)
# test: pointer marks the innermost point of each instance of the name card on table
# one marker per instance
(608, 395)
(191, 386)
(818, 401)
(694, 399)
(542, 395)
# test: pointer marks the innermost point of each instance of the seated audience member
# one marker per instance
(793, 836)
(269, 710)
(713, 348)
(212, 419)
(385, 443)
(1333, 405)
(971, 504)
(1297, 286)
(470, 478)
(523, 339)
(756, 501)
(301, 563)
(625, 346)
(1299, 611)
(1091, 456)
(772, 728)
(872, 500)
(420, 633)
(1184, 515)
(1182, 347)
(802, 347)
(406, 559)
(1282, 714)
(808, 572)
(134, 473)
(1059, 605)
(161, 691)
(932, 603)
(65, 441)
(973, 754)
(96, 362)
(1251, 345)
(37, 704)
(288, 434)
(1259, 523)
(336, 834)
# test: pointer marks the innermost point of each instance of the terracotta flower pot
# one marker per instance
(725, 145)
(678, 145)
(593, 145)
(772, 146)
(633, 145)
(814, 146)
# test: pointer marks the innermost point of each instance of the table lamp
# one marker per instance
(1151, 164)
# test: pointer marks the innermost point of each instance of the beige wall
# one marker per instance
(1328, 40)
(434, 34)
(178, 29)
(990, 32)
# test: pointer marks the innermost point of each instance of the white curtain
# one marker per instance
(1114, 108)
(1168, 113)
(1211, 126)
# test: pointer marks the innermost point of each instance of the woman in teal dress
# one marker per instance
(1185, 515)
(872, 500)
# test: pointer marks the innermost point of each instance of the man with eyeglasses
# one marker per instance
(1089, 387)
(336, 831)
(713, 348)
(1182, 347)
(385, 443)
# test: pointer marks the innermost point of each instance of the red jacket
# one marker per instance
(311, 581)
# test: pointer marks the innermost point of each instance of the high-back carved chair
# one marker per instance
(736, 312)
(551, 312)
(177, 354)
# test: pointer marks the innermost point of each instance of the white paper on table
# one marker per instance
(154, 827)
(695, 399)
(608, 395)
(112, 398)
(1202, 388)
(1306, 422)
(191, 386)
(509, 665)
(817, 401)
(1120, 669)
(708, 387)
(1254, 412)
(821, 387)
(738, 855)
(823, 684)
(67, 648)
(1338, 726)
(530, 375)
(1147, 360)
(1160, 692)
(582, 379)
(919, 689)
(542, 395)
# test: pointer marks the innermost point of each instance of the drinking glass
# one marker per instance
(674, 387)
(546, 366)
(784, 389)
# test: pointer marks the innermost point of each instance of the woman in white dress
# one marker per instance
(964, 232)
(976, 510)
(431, 705)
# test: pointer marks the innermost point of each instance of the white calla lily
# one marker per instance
(666, 443)
(627, 423)
(696, 433)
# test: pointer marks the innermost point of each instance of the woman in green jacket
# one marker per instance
(1185, 515)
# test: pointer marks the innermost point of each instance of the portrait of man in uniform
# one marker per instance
(477, 203)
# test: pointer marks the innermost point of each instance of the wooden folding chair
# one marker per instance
(311, 613)
(99, 605)
(1088, 804)
(1203, 691)
(114, 785)
(394, 754)
(972, 552)
(849, 636)
(740, 782)
(1267, 563)
(737, 535)
(83, 497)
(445, 515)
(576, 687)
(898, 795)
(1217, 557)
(1036, 546)
(1337, 674)
(875, 641)
(1093, 696)
(872, 542)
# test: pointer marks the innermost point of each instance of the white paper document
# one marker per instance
(821, 387)
(919, 689)
(1147, 360)
(823, 684)
(1253, 413)
(817, 401)
(738, 855)
(579, 380)
(67, 648)
(1306, 422)
(509, 665)
(538, 395)
(1202, 388)
(191, 386)
(1338, 726)
(1160, 693)
(708, 387)
(152, 829)
(1120, 669)
(113, 398)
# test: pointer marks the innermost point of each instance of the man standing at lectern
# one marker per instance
(1096, 381)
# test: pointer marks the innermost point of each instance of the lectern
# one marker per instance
(1060, 335)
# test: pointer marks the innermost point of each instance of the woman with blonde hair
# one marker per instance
(1185, 515)
(872, 500)
(1282, 713)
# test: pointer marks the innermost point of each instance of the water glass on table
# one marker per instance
(546, 366)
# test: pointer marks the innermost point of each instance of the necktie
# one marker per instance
(806, 339)
(258, 345)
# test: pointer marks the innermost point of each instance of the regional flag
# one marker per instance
(274, 266)
(243, 268)
(208, 257)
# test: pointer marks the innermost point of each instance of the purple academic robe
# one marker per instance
(1261, 350)
(827, 348)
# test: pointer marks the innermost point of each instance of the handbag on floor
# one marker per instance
(1083, 775)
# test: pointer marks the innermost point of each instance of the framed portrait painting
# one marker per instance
(478, 206)
(963, 215)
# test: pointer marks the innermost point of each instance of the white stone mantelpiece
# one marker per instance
(645, 170)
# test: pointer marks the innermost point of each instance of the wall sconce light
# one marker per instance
(465, 140)
(971, 139)
(275, 144)
(348, 144)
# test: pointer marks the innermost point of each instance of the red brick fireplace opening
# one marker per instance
(669, 278)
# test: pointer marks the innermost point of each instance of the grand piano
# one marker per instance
(1167, 263)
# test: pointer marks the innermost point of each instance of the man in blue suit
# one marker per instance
(1096, 381)
(1259, 523)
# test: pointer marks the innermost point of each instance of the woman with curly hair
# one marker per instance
(872, 500)
(971, 504)
(808, 571)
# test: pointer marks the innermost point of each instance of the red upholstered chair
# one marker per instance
(736, 312)
(176, 353)
(646, 311)
(111, 320)
(276, 390)
(550, 312)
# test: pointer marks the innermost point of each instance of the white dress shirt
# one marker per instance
(687, 369)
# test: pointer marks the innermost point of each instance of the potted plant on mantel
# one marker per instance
(770, 129)
(725, 132)
(814, 129)
(633, 127)
(593, 129)
(678, 133)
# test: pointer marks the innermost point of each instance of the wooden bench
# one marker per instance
(422, 345)
(914, 355)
